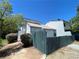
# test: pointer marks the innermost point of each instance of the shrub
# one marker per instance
(26, 40)
(0, 42)
(12, 37)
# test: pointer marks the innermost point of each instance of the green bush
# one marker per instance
(0, 42)
(26, 40)
(3, 42)
(12, 37)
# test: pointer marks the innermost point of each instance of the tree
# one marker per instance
(5, 9)
(8, 22)
(11, 23)
(75, 22)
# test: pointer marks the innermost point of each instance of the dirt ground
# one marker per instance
(25, 53)
(33, 53)
(76, 42)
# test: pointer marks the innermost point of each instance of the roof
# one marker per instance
(34, 25)
(31, 21)
(40, 26)
(48, 28)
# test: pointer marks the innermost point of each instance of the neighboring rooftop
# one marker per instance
(31, 21)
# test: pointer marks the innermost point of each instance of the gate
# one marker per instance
(39, 40)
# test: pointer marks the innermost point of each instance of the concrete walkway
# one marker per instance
(69, 52)
(74, 46)
(43, 56)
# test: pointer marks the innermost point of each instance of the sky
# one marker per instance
(45, 10)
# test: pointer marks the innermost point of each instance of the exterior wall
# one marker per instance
(32, 27)
(22, 28)
(19, 34)
(28, 28)
(68, 33)
(59, 26)
(51, 33)
(21, 31)
(35, 29)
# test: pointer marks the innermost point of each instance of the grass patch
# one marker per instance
(3, 42)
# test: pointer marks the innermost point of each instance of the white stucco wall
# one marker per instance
(50, 33)
(28, 28)
(22, 28)
(59, 26)
(32, 27)
(68, 33)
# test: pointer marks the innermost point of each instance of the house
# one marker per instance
(28, 26)
(47, 37)
(59, 27)
(56, 26)
(32, 26)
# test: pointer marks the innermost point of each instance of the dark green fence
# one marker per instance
(48, 45)
(54, 43)
(39, 40)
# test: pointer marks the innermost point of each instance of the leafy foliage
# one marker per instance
(75, 22)
(8, 22)
(75, 27)
(3, 42)
(5, 8)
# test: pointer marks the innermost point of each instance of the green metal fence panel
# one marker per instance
(52, 44)
(47, 45)
(65, 40)
(39, 38)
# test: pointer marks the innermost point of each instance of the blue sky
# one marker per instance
(45, 10)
